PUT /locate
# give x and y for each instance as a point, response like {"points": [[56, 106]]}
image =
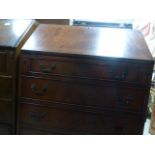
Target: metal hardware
{"points": [[41, 92], [119, 129], [125, 101], [45, 70], [121, 76], [37, 116]]}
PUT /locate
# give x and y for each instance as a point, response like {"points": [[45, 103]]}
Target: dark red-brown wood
{"points": [[78, 80], [101, 42], [13, 34]]}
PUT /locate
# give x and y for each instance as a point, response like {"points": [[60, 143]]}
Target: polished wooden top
{"points": [[11, 31], [102, 42]]}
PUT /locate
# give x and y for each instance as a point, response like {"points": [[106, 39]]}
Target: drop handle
{"points": [[125, 101], [37, 116], [47, 70], [119, 128], [39, 92], [122, 76]]}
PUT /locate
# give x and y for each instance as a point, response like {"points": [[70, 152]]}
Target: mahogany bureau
{"points": [[13, 34], [81, 80]]}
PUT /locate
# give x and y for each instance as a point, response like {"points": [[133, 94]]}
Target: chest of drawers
{"points": [[77, 80], [13, 33]]}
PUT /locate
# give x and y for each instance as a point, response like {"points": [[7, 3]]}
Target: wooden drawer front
{"points": [[46, 118], [5, 87], [5, 112], [5, 129], [127, 98], [6, 62], [25, 131], [33, 131], [73, 67]]}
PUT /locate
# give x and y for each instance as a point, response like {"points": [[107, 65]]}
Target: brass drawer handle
{"points": [[119, 129], [125, 101], [122, 76], [37, 92], [36, 116], [45, 70]]}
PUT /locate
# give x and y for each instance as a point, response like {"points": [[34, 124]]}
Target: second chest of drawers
{"points": [[13, 34]]}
